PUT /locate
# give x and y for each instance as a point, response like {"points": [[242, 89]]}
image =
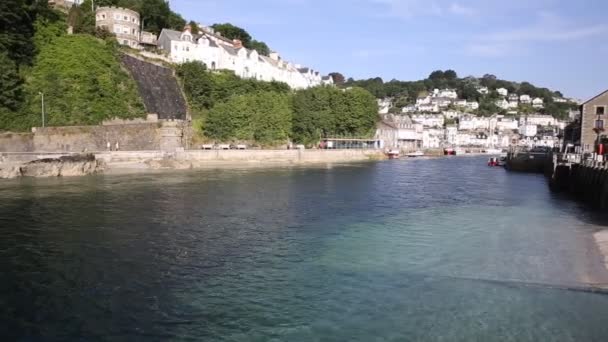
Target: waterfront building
{"points": [[593, 116], [472, 122], [432, 137], [429, 120], [451, 131], [528, 130], [399, 131], [538, 119], [506, 124]]}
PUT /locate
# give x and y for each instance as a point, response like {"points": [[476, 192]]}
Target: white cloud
{"points": [[548, 28], [457, 8]]}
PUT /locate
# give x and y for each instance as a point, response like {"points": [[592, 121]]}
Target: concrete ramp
{"points": [[158, 88]]}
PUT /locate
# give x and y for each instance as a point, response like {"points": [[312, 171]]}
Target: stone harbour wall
{"points": [[136, 137]]}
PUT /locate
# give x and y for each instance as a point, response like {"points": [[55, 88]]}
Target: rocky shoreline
{"points": [[64, 166]]}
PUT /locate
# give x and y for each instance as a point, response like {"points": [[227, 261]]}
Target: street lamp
{"points": [[42, 105]]}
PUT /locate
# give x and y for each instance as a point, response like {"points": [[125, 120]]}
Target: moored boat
{"points": [[393, 154], [415, 154]]}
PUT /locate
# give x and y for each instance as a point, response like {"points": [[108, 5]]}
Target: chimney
{"points": [[237, 43], [274, 55], [188, 28]]}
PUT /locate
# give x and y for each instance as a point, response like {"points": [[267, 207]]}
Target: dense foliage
{"points": [[205, 89], [82, 82], [406, 92], [231, 108], [262, 116], [234, 32]]}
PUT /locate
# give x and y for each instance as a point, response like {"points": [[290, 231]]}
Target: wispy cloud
{"points": [[411, 8], [548, 28]]}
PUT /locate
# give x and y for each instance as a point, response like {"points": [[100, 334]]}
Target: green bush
{"points": [[83, 84]]}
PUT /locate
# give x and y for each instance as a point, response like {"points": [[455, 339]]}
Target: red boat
{"points": [[494, 161]]}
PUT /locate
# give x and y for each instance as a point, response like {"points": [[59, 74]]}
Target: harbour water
{"points": [[435, 250]]}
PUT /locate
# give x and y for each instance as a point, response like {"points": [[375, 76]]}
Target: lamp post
{"points": [[42, 106]]}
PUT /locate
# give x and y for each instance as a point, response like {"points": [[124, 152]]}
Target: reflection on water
{"points": [[444, 249]]}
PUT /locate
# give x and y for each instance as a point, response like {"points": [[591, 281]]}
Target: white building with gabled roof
{"points": [[220, 53]]}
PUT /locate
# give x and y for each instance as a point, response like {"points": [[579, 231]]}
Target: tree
{"points": [[450, 75], [436, 75], [260, 47], [83, 84], [194, 27], [11, 85], [264, 117], [233, 32], [16, 36], [325, 111], [337, 77]]}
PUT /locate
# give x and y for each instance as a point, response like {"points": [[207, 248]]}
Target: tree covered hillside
{"points": [[406, 92], [79, 75], [229, 108]]}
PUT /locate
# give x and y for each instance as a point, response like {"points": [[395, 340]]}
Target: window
{"points": [[125, 42], [126, 18], [600, 110], [599, 124], [103, 16]]}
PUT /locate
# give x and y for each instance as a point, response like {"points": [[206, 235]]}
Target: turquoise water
{"points": [[432, 250]]}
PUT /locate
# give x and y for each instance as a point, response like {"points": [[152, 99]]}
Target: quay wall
{"points": [[586, 181], [138, 136]]}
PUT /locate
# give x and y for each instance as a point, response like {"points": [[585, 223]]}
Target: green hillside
{"points": [[406, 92]]}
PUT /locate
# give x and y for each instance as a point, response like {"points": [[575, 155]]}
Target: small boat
{"points": [[449, 152], [459, 152], [494, 161], [393, 154], [415, 154]]}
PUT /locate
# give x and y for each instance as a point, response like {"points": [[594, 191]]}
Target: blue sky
{"points": [[562, 45]]}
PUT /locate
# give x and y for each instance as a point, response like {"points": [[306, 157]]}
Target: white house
{"points": [[432, 137], [525, 99], [538, 119], [384, 105], [473, 105], [471, 122], [504, 124], [448, 93], [432, 108], [528, 130], [502, 91], [429, 120], [502, 103], [559, 100], [460, 103], [218, 52], [483, 90], [450, 135], [451, 114], [537, 102], [442, 102], [423, 100]]}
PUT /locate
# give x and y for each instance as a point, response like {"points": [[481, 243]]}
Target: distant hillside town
{"points": [[208, 47]]}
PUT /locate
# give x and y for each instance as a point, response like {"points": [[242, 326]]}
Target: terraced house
{"points": [[218, 52]]}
